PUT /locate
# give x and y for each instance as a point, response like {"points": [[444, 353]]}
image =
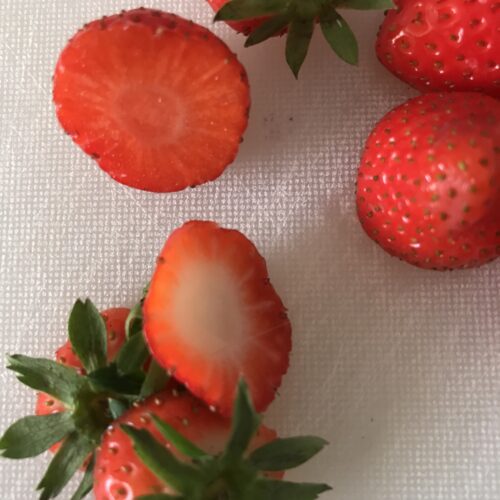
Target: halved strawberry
{"points": [[211, 316], [115, 327], [120, 474], [160, 102]]}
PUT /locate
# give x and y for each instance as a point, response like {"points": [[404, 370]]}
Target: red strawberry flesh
{"points": [[211, 316], [160, 102]]}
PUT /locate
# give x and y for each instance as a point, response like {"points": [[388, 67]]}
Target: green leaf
{"points": [[117, 408], [284, 454], [33, 435], [181, 443], [70, 457], [297, 43], [110, 380], [156, 380], [340, 36], [268, 489], [246, 421], [180, 476], [366, 4], [44, 375], [133, 324], [133, 354], [87, 333], [269, 28], [87, 482], [238, 10]]}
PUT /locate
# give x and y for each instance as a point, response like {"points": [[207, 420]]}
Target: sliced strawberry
{"points": [[119, 474], [115, 326], [212, 316], [160, 102]]}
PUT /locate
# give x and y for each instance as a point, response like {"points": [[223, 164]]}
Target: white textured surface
{"points": [[398, 368]]}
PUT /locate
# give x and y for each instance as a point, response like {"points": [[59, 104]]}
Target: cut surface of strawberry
{"points": [[119, 473], [159, 102], [429, 181], [211, 316]]}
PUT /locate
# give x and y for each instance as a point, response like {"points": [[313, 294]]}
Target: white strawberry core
{"points": [[209, 310]]}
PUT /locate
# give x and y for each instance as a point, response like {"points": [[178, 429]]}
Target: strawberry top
{"points": [[443, 45]]}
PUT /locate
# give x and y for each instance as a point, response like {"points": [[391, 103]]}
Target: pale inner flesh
{"points": [[208, 309]]}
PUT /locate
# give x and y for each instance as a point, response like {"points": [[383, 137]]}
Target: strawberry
{"points": [[172, 444], [429, 181], [443, 44], [160, 102], [65, 355], [212, 316], [246, 27], [96, 377], [263, 19]]}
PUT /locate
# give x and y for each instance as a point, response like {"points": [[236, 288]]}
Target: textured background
{"points": [[398, 368]]}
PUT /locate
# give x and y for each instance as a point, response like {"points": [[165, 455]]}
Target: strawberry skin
{"points": [[211, 316], [159, 102], [119, 474], [443, 44], [429, 181], [115, 326], [246, 27]]}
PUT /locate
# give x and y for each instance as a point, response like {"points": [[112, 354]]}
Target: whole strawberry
{"points": [[173, 446], [97, 375], [443, 44], [429, 181]]}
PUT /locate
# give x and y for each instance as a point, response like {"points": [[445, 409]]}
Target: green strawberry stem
{"points": [[298, 18], [234, 474], [92, 401]]}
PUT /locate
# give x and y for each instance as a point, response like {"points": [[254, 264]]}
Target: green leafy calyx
{"points": [[298, 18], [92, 401], [234, 474]]}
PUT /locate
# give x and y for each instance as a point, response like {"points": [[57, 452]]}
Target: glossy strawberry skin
{"points": [[245, 27], [429, 181], [437, 45], [158, 101], [119, 474], [115, 326]]}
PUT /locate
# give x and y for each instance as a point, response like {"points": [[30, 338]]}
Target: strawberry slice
{"points": [[211, 316], [160, 102]]}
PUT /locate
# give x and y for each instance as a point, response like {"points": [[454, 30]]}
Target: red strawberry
{"points": [[429, 181], [115, 326], [160, 102], [119, 474], [443, 44], [212, 316], [246, 27]]}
